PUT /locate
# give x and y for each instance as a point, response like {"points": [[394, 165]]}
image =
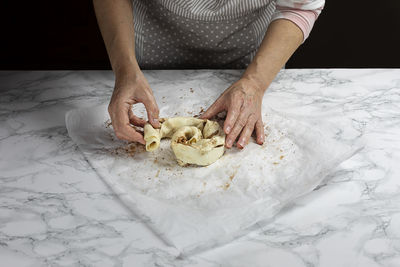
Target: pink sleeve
{"points": [[303, 14]]}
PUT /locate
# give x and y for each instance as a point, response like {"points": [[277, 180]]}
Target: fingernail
{"points": [[229, 143], [228, 129]]}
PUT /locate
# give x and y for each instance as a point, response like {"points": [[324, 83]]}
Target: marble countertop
{"points": [[55, 210]]}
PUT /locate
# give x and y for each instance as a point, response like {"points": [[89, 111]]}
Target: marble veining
{"points": [[55, 210]]}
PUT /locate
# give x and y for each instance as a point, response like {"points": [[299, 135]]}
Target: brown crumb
{"points": [[182, 140], [198, 115], [226, 186], [281, 157], [158, 173], [275, 163], [232, 175], [155, 160], [130, 150], [140, 148], [108, 123], [191, 90]]}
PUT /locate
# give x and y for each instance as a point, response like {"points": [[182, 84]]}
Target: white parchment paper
{"points": [[196, 208]]}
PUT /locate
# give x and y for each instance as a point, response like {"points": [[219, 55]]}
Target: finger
{"points": [[246, 132], [260, 135], [239, 124], [152, 111], [129, 134], [232, 116], [135, 120], [122, 128], [214, 109]]}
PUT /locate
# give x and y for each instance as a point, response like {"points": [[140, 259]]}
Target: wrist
{"points": [[261, 72], [126, 68], [127, 74], [256, 81], [251, 86]]}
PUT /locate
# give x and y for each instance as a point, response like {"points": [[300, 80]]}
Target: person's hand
{"points": [[127, 92], [242, 101]]}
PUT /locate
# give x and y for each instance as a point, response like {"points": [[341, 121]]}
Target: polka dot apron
{"points": [[187, 34]]}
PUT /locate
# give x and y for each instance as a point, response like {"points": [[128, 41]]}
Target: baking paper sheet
{"points": [[197, 208]]}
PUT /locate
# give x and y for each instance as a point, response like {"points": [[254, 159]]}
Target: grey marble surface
{"points": [[55, 210]]}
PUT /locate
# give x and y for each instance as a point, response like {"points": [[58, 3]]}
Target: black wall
{"points": [[61, 34]]}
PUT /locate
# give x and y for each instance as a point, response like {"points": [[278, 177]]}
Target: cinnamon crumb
{"points": [[232, 175], [108, 123], [130, 150], [182, 140], [127, 151], [226, 186]]}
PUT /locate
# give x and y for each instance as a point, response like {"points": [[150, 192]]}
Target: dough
{"points": [[193, 141]]}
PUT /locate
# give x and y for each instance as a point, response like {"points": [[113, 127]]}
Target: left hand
{"points": [[242, 101]]}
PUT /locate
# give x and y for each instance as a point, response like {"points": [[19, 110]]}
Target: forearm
{"points": [[281, 40], [115, 19]]}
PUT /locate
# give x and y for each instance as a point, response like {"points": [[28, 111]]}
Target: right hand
{"points": [[127, 92]]}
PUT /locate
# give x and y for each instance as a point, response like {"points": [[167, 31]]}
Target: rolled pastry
{"points": [[193, 141], [152, 137]]}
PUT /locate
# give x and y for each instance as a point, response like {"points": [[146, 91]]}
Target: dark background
{"points": [[61, 34]]}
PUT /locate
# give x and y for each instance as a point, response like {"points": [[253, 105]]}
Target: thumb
{"points": [[213, 110]]}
